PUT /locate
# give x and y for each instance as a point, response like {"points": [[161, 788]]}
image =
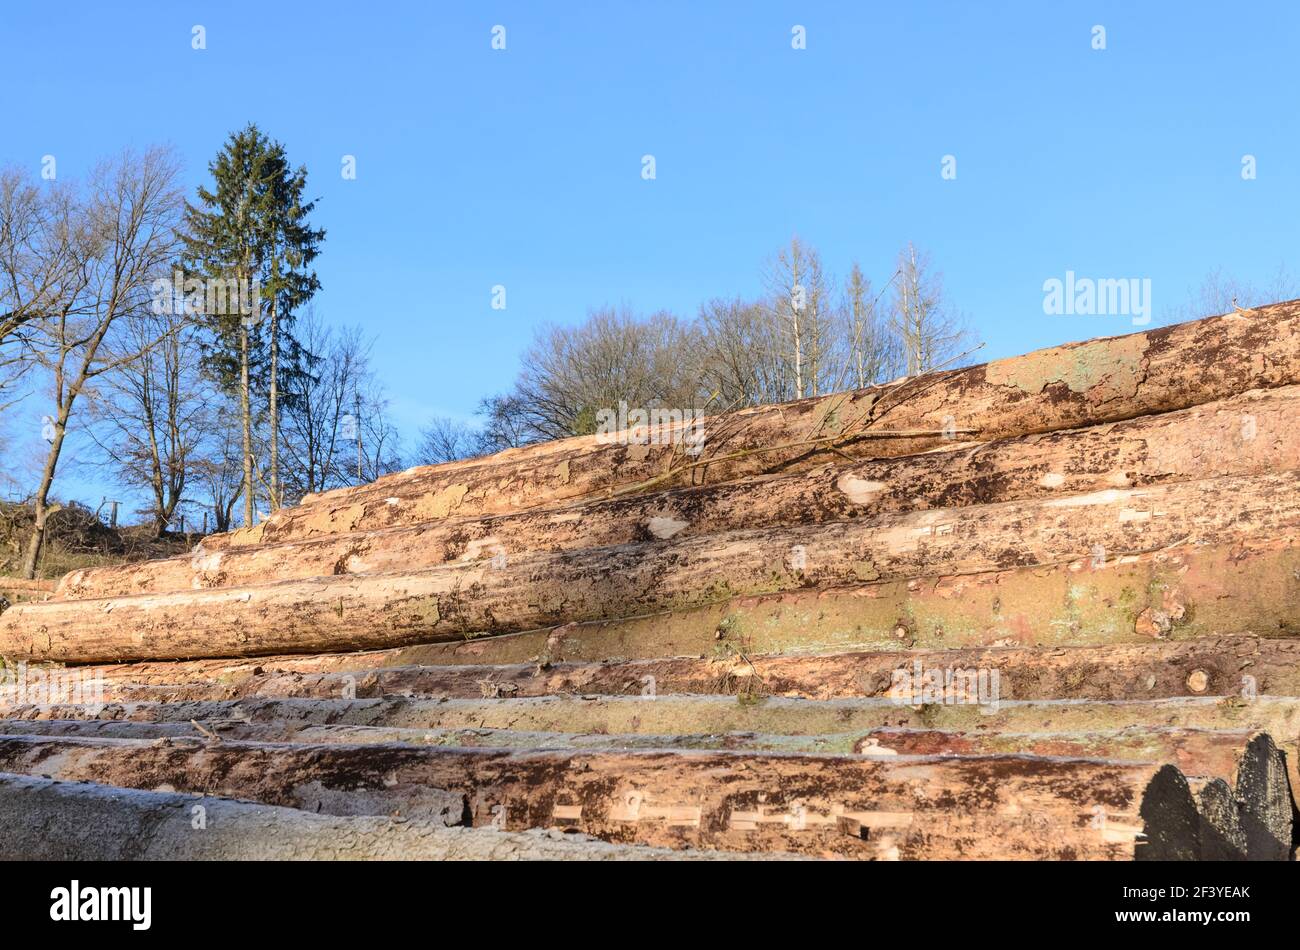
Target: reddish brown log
{"points": [[368, 611], [1062, 387], [83, 821], [1195, 751], [1217, 666], [900, 807], [1249, 434]]}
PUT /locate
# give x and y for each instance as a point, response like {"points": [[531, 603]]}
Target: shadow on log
{"points": [[1253, 821]]}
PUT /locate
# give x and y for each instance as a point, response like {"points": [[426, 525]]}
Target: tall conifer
{"points": [[251, 226]]}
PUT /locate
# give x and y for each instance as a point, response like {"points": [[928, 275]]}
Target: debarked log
{"points": [[1248, 434], [1186, 592], [1078, 384], [1213, 752], [1025, 807], [1234, 667], [48, 820], [384, 610], [642, 715]]}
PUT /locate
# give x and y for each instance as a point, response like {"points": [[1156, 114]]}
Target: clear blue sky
{"points": [[522, 167]]}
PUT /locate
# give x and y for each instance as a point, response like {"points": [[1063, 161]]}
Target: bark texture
{"points": [[1242, 588], [1200, 752], [901, 807], [1240, 667], [1250, 434], [368, 611], [628, 715], [47, 820], [1097, 381], [1044, 608]]}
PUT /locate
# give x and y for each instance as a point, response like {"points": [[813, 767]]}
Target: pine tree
{"points": [[251, 226], [291, 283]]}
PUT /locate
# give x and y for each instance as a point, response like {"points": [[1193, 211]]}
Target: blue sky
{"points": [[522, 167]]}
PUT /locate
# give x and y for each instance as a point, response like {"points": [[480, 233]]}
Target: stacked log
{"points": [[1064, 387], [49, 820], [1203, 442], [972, 806], [366, 611], [1044, 608]]}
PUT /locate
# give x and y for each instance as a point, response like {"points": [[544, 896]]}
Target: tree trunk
{"points": [[937, 807], [1075, 385], [669, 714], [368, 611], [41, 508], [162, 512], [246, 420], [1230, 666], [1196, 751], [58, 821], [1189, 444], [275, 387]]}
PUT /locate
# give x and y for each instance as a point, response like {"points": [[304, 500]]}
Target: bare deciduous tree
{"points": [[799, 298], [219, 465], [151, 411], [928, 330], [504, 424], [738, 341], [1221, 293], [122, 233], [39, 247], [873, 351], [569, 374], [379, 442], [337, 428], [317, 429], [447, 440]]}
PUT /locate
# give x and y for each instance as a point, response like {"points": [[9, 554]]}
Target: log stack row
{"points": [[1040, 608]]}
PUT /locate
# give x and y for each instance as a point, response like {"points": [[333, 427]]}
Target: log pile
{"points": [[1040, 608]]}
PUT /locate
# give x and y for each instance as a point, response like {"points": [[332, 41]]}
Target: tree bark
{"points": [[246, 421], [59, 821], [1195, 751], [1079, 384], [1232, 667], [670, 715], [1250, 434], [1240, 588], [368, 611], [41, 508], [935, 807]]}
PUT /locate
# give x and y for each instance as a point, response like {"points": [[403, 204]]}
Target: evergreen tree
{"points": [[290, 284], [251, 227]]}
